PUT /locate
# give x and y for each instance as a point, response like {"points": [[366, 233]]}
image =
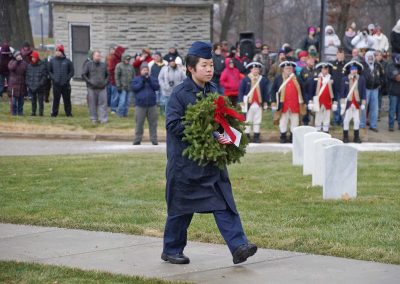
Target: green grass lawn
{"points": [[279, 208], [20, 272]]}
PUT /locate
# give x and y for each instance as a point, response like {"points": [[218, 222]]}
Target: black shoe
{"points": [[345, 136], [248, 136], [154, 143], [256, 138], [136, 143], [357, 136], [243, 252], [53, 115], [290, 139], [391, 129], [41, 114], [69, 115], [283, 139], [175, 259], [373, 129], [33, 114]]}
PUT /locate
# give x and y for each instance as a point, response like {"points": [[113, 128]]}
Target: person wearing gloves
{"points": [[374, 78], [36, 79], [323, 96], [353, 98], [16, 84], [332, 43], [363, 40], [287, 94], [253, 97], [144, 86]]}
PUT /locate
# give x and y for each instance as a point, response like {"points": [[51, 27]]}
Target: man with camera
{"points": [[169, 77]]}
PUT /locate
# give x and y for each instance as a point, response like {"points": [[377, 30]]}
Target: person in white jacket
{"points": [[381, 41], [332, 43], [363, 40]]}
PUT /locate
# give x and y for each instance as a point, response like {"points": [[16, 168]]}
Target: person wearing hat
{"points": [[124, 73], [145, 86], [337, 75], [311, 39], [275, 70], [112, 90], [253, 97], [331, 42], [230, 81], [36, 80], [219, 66], [381, 42], [170, 76], [323, 96], [191, 188], [17, 83], [307, 75], [61, 71], [287, 99], [5, 58], [145, 56], [353, 98], [26, 52], [363, 40]]}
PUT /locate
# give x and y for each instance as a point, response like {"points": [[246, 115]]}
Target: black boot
{"points": [[357, 136], [290, 140], [283, 138], [345, 136], [256, 138]]}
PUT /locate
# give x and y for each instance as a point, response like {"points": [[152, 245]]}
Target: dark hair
{"points": [[340, 50], [191, 61], [216, 45]]}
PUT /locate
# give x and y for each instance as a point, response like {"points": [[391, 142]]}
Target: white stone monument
{"points": [[340, 172], [309, 150], [298, 143], [318, 174]]}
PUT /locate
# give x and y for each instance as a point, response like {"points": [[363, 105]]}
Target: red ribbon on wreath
{"points": [[221, 111]]}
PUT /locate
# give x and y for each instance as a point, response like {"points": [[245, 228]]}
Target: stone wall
{"points": [[132, 26]]}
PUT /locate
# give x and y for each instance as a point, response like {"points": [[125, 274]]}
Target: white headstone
{"points": [[340, 172], [318, 174], [298, 143], [309, 150]]}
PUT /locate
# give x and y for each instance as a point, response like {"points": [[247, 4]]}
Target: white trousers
{"points": [[351, 113], [284, 120], [253, 118], [322, 119]]}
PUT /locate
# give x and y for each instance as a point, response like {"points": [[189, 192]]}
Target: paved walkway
{"points": [[210, 263], [33, 147]]}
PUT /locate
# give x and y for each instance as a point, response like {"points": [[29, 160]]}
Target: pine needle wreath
{"points": [[199, 127]]}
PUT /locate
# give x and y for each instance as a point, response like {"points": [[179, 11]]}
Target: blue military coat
{"points": [[362, 91], [191, 188]]}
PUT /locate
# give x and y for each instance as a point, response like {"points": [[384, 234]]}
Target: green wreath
{"points": [[199, 128]]}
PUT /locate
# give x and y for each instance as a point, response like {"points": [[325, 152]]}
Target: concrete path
{"points": [[33, 147], [210, 263]]}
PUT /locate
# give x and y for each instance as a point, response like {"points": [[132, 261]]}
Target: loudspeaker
{"points": [[246, 42]]}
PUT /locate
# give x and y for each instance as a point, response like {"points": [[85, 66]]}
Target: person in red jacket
{"points": [[230, 81], [114, 60], [144, 57]]}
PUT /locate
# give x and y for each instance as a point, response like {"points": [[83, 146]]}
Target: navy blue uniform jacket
{"points": [[245, 87], [362, 91], [191, 188]]}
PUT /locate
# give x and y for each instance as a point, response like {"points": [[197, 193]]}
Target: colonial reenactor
{"points": [[192, 188], [353, 98], [287, 93], [323, 97], [253, 97]]}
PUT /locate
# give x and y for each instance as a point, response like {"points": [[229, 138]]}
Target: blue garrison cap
{"points": [[201, 49]]}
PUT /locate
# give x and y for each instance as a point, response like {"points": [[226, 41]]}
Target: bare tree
{"points": [[226, 20], [252, 17], [15, 25]]}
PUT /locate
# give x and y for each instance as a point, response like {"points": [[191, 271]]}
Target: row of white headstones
{"points": [[332, 164]]}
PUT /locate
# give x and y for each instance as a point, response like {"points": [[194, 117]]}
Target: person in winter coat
{"points": [[170, 76], [381, 41], [96, 77], [332, 43], [311, 39], [144, 86], [347, 38], [353, 98], [61, 71], [394, 91], [16, 85], [191, 188], [112, 88], [155, 67], [219, 66], [5, 58], [172, 51], [230, 81], [307, 75], [337, 75], [26, 52], [264, 59], [395, 39], [253, 97], [145, 56], [36, 80], [363, 40], [374, 78], [124, 73]]}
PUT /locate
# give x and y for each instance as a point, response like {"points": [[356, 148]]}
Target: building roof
{"points": [[136, 2]]}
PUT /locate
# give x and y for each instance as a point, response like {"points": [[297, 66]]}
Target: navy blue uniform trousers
{"points": [[229, 224]]}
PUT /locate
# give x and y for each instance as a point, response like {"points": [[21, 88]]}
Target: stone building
{"points": [[97, 24]]}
